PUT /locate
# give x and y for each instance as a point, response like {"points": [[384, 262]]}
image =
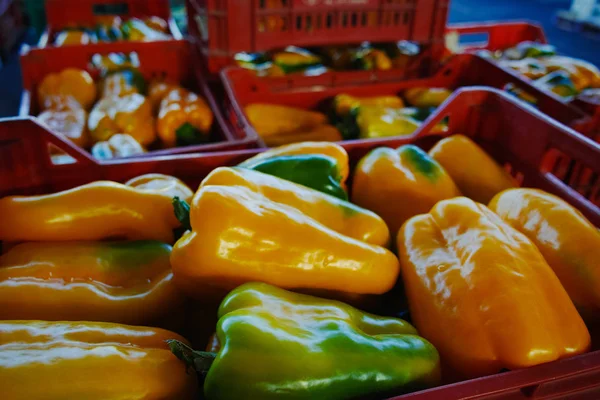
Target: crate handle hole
{"points": [[474, 39], [110, 9]]}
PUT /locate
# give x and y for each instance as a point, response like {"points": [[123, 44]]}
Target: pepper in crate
{"points": [[308, 348]]}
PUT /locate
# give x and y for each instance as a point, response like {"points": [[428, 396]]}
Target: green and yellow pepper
{"points": [[482, 294], [95, 211], [69, 82], [475, 173], [127, 282], [528, 67], [294, 59], [130, 114], [137, 30], [90, 360], [377, 121], [339, 215], [117, 146], [238, 235], [371, 59], [184, 118], [332, 150], [567, 240], [315, 171], [308, 348], [557, 82], [399, 184]]}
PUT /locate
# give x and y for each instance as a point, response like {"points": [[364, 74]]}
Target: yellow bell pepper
{"points": [[482, 293], [183, 118], [69, 82], [476, 174], [137, 30], [339, 215], [344, 103], [426, 97], [117, 146], [94, 211], [271, 120], [157, 24], [131, 114], [90, 360], [69, 123], [157, 90], [127, 282], [122, 83], [399, 184], [567, 240], [71, 37], [238, 236], [332, 150], [376, 122]]}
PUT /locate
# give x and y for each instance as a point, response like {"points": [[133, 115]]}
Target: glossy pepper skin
{"points": [[295, 59], [90, 360], [271, 120], [399, 184], [69, 82], [130, 114], [483, 294], [326, 149], [122, 83], [315, 171], [310, 348], [476, 174], [94, 211], [377, 121], [339, 215], [117, 146], [69, 123], [344, 103], [137, 30], [127, 282], [157, 90], [239, 236], [166, 185], [72, 37], [427, 97], [567, 240], [183, 118]]}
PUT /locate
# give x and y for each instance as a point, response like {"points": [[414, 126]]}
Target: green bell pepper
{"points": [[276, 344], [315, 171]]}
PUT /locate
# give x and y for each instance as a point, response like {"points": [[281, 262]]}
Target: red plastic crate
{"points": [[226, 27], [524, 140], [503, 35], [64, 13], [243, 88], [175, 59]]}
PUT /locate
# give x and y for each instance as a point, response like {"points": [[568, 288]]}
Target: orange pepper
{"points": [[567, 240], [69, 82], [398, 184], [90, 360], [482, 294], [476, 174]]}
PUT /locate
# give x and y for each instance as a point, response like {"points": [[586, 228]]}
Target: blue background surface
{"points": [[540, 11]]}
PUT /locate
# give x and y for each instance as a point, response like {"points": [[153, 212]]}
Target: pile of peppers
{"points": [[316, 61], [113, 29], [566, 77], [286, 251], [122, 114], [349, 117]]}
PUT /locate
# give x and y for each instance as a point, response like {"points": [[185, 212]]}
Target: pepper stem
{"points": [[200, 361], [182, 213]]}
